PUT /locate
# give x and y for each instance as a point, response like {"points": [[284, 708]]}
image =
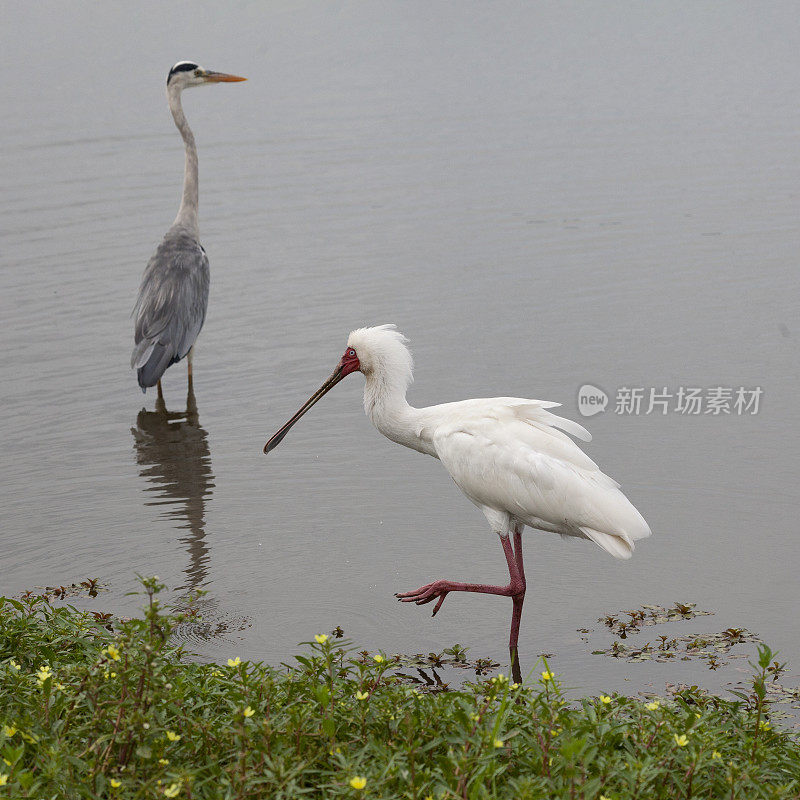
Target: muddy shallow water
{"points": [[540, 196]]}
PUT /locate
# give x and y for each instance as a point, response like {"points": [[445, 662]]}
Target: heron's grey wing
{"points": [[171, 307]]}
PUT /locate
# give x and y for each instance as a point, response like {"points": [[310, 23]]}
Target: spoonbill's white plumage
{"points": [[510, 456]]}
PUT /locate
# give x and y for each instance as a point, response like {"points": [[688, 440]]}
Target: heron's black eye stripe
{"points": [[186, 67]]}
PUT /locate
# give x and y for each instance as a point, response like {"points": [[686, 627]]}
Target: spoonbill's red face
{"points": [[348, 363]]}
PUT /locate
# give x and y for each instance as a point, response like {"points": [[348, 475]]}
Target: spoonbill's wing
{"points": [[511, 456]]}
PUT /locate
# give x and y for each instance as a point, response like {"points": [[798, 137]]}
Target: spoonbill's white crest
{"points": [[510, 456]]}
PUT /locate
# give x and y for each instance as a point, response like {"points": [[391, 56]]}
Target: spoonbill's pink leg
{"points": [[518, 600], [515, 589]]}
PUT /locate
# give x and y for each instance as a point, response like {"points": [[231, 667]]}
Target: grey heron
{"points": [[173, 295]]}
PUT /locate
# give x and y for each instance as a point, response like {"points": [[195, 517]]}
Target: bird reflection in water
{"points": [[174, 458]]}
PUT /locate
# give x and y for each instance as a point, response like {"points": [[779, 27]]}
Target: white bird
{"points": [[510, 456]]}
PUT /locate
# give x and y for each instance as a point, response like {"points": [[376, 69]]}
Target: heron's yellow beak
{"points": [[222, 77]]}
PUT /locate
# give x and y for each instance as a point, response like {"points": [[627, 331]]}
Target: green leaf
{"points": [[323, 694]]}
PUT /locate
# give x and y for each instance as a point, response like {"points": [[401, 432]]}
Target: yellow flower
{"points": [[358, 782], [163, 761], [114, 783], [515, 685], [362, 695], [234, 662], [172, 790], [716, 755], [475, 717], [547, 676], [605, 699], [248, 712], [681, 740], [764, 726], [7, 762], [3, 779], [501, 678], [321, 638], [13, 664], [378, 658], [172, 736], [498, 742], [112, 652], [9, 730], [654, 706], [43, 674]]}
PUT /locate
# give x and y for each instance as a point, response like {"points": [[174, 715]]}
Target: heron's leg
{"points": [[191, 406], [189, 357], [440, 589], [161, 406]]}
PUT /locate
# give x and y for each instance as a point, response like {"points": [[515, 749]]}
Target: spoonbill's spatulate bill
{"points": [[173, 296], [510, 456]]}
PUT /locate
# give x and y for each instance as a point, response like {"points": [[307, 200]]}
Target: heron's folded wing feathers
{"points": [[172, 300]]}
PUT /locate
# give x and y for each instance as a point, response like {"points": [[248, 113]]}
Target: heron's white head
{"points": [[186, 74], [382, 354]]}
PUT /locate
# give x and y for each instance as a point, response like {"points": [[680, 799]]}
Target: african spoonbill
{"points": [[510, 456]]}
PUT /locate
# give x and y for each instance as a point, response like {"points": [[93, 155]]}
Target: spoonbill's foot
{"points": [[426, 594], [440, 589]]}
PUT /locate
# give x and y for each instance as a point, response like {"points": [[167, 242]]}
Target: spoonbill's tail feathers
{"points": [[619, 546], [630, 526]]}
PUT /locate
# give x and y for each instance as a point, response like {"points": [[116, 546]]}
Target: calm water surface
{"points": [[539, 195]]}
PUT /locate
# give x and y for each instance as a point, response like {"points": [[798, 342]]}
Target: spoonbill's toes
{"points": [[427, 594]]}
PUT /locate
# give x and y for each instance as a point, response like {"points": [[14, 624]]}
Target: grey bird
{"points": [[173, 295]]}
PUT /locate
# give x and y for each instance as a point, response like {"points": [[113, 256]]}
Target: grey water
{"points": [[540, 196]]}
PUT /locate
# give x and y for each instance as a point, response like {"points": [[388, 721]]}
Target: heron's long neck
{"points": [[386, 405], [187, 213]]}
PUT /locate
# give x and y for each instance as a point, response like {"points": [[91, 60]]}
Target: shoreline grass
{"points": [[95, 708]]}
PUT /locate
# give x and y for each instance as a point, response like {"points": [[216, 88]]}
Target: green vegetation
{"points": [[95, 708]]}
